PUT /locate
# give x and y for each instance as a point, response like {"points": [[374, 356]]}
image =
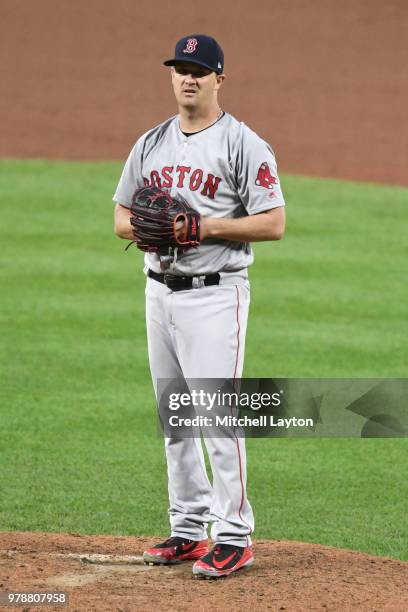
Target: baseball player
{"points": [[197, 300]]}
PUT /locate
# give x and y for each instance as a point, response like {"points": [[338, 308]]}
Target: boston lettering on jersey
{"points": [[194, 180]]}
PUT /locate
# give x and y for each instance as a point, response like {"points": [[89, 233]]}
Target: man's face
{"points": [[194, 86]]}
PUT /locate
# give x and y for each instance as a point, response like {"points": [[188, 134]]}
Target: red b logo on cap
{"points": [[265, 178], [191, 45]]}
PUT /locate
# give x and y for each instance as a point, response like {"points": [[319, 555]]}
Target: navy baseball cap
{"points": [[199, 49]]}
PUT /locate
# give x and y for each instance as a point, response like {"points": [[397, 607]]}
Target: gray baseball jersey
{"points": [[225, 171]]}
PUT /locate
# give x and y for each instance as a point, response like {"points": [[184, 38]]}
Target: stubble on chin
{"points": [[188, 105]]}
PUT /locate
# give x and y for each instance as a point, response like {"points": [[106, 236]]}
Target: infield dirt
{"points": [[324, 82], [289, 576]]}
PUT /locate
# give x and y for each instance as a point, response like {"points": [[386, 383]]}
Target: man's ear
{"points": [[220, 79]]}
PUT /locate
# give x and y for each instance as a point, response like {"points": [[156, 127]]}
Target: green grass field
{"points": [[79, 448]]}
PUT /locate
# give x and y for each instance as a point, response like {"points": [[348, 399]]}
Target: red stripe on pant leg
{"points": [[242, 492], [238, 333], [237, 440]]}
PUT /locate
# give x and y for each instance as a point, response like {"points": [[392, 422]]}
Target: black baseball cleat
{"points": [[222, 560], [175, 550]]}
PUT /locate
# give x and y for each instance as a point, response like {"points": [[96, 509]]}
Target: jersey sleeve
{"points": [[132, 177], [256, 174]]}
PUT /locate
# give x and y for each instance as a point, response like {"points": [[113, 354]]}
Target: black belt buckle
{"points": [[177, 283]]}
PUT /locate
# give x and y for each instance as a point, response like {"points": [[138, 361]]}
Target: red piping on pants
{"points": [[237, 440]]}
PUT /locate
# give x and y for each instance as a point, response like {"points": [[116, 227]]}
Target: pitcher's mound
{"points": [[107, 573]]}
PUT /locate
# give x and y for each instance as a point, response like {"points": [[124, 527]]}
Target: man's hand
{"points": [[123, 227]]}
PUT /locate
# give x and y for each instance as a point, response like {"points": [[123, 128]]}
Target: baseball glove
{"points": [[161, 222]]}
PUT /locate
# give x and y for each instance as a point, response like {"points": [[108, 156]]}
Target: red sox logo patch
{"points": [[264, 178], [191, 45]]}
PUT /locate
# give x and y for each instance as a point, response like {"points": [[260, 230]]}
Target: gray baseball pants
{"points": [[200, 333]]}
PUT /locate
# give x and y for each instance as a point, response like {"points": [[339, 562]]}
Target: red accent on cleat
{"points": [[175, 550], [222, 560]]}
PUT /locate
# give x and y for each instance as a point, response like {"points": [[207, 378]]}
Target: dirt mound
{"points": [[107, 573]]}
